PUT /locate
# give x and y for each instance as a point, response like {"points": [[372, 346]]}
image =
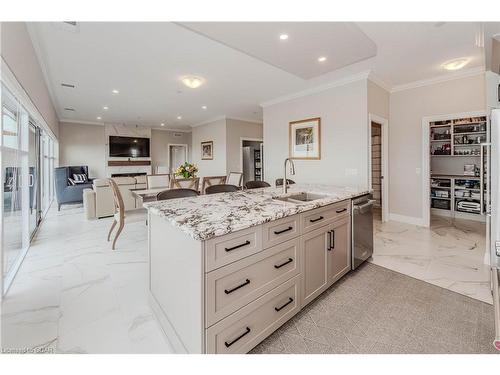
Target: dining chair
{"points": [[119, 216], [176, 193], [185, 183], [224, 188], [256, 184], [279, 181], [234, 178], [211, 180], [158, 180], [161, 169]]}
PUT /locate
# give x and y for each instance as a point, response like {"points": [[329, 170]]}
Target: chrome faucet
{"points": [[292, 172]]}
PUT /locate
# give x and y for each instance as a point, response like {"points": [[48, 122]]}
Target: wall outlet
{"points": [[351, 172], [418, 171]]}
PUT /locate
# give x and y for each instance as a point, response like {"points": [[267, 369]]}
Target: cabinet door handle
{"points": [[283, 230], [342, 210], [237, 287], [329, 241], [315, 220], [290, 300], [290, 260], [228, 344], [237, 246], [333, 240]]}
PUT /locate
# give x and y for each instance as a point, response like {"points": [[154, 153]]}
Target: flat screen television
{"points": [[130, 147]]}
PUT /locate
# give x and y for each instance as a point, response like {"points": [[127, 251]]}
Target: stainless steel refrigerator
{"points": [[248, 164]]}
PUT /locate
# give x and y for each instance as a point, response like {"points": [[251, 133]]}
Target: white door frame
{"points": [[168, 152], [241, 154], [385, 161], [426, 159]]}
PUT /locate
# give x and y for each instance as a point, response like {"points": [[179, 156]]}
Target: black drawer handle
{"points": [[283, 231], [237, 246], [315, 220], [290, 300], [290, 260], [329, 247], [237, 287], [228, 344], [333, 240], [342, 210]]}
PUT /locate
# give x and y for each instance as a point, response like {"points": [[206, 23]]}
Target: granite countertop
{"points": [[215, 215]]}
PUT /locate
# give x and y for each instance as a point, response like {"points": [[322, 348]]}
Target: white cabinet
{"points": [[326, 257]]}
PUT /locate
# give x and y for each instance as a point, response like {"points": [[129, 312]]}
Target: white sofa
{"points": [[104, 204]]}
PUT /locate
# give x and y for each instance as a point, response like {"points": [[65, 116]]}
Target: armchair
{"points": [[67, 193]]}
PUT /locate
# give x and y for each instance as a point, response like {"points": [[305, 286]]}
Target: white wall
{"points": [[18, 53], [160, 139], [378, 100], [214, 131], [407, 108], [237, 129], [82, 144], [344, 136]]}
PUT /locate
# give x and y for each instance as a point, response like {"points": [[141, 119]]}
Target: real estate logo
{"points": [[496, 344]]}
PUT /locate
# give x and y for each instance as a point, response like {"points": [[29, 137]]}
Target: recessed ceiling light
{"points": [[455, 64], [179, 117], [162, 124], [115, 91], [192, 82], [284, 36], [105, 108], [321, 58], [99, 117], [203, 107]]}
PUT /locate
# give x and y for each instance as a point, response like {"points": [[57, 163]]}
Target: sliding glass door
{"points": [[14, 146], [33, 178]]}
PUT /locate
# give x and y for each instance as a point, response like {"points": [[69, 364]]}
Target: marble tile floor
{"points": [[374, 310], [449, 254], [74, 295]]}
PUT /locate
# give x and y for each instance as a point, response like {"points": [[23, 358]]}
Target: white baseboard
{"points": [[406, 219]]}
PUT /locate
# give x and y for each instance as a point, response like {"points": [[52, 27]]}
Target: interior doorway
{"points": [[177, 155], [378, 169], [252, 159]]}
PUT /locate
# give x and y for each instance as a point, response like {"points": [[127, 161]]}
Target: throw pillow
{"points": [[71, 181], [80, 178]]}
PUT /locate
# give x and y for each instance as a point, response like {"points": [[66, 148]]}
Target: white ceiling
{"points": [[145, 61], [342, 43]]}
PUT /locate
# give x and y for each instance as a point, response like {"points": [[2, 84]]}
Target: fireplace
{"points": [[128, 174]]}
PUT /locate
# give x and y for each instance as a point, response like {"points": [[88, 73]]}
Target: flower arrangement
{"points": [[186, 170]]}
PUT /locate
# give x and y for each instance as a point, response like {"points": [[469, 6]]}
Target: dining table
{"points": [[147, 195]]}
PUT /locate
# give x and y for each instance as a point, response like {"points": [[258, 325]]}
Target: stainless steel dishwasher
{"points": [[362, 229]]}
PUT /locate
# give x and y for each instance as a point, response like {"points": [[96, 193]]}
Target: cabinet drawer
{"points": [[277, 231], [316, 218], [235, 285], [240, 332], [226, 249]]}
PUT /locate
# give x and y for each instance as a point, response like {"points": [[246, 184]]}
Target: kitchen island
{"points": [[226, 270]]}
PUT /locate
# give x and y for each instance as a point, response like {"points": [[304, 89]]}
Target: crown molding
{"points": [[315, 90], [37, 46], [218, 118], [173, 130], [379, 82], [83, 122], [245, 120], [443, 78]]}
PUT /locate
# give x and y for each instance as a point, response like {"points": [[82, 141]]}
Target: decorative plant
{"points": [[186, 170]]}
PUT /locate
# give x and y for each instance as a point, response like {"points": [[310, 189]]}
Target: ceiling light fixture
{"points": [[284, 36], [162, 124], [455, 64], [115, 91], [203, 107], [99, 117], [321, 58], [105, 108], [192, 82], [179, 117]]}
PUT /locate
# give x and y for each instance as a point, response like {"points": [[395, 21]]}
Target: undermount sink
{"points": [[301, 197]]}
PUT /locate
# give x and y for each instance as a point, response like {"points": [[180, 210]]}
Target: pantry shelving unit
{"points": [[457, 173]]}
